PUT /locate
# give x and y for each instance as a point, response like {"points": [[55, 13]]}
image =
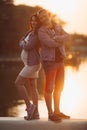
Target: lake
{"points": [[73, 98]]}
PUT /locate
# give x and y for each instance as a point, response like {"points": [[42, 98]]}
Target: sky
{"points": [[73, 12]]}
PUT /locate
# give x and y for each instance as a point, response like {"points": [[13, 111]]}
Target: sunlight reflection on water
{"points": [[74, 95], [19, 110]]}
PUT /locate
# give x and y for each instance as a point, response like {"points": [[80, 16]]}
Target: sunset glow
{"points": [[68, 7], [73, 12], [73, 98]]}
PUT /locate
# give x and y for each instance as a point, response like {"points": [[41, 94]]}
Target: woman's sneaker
{"points": [[35, 116], [30, 112], [54, 117]]}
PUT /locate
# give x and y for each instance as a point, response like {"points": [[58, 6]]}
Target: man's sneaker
{"points": [[54, 117], [30, 112], [63, 116]]}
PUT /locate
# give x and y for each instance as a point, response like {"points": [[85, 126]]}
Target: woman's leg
{"points": [[59, 84], [22, 90], [30, 108], [33, 91], [50, 78]]}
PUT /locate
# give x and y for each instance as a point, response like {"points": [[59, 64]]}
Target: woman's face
{"points": [[44, 17], [34, 22]]}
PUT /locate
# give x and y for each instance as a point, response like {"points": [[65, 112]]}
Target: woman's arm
{"points": [[46, 39], [62, 34], [29, 44]]}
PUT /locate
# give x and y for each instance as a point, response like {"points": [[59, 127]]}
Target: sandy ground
{"points": [[18, 123]]}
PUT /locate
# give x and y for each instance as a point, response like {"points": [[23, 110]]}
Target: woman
{"points": [[31, 58], [52, 37]]}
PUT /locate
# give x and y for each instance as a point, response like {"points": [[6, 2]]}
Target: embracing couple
{"points": [[43, 45]]}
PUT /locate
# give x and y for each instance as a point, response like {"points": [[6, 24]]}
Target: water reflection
{"points": [[19, 110], [74, 95], [73, 100]]}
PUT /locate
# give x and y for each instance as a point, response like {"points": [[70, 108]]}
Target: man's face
{"points": [[44, 17]]}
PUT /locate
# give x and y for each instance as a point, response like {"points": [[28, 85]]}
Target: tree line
{"points": [[14, 23]]}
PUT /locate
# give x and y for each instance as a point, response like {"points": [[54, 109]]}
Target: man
{"points": [[51, 37]]}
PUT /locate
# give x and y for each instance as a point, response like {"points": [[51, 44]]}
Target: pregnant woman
{"points": [[31, 59]]}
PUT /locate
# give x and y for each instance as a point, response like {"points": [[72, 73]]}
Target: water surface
{"points": [[73, 98]]}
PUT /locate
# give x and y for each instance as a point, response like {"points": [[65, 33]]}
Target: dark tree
{"points": [[6, 2]]}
